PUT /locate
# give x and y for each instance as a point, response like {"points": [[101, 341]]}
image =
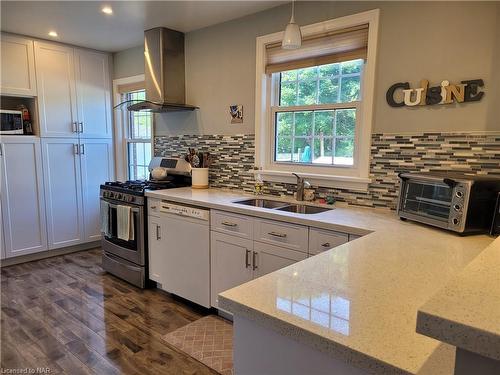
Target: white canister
{"points": [[199, 178]]}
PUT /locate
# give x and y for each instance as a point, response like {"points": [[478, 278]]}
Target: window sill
{"points": [[332, 181]]}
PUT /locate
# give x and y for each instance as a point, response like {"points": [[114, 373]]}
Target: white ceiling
{"points": [[82, 23]]}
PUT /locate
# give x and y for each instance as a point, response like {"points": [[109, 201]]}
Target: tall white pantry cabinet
{"points": [[50, 182]]}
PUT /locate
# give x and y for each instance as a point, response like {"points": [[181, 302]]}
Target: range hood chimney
{"points": [[164, 72]]}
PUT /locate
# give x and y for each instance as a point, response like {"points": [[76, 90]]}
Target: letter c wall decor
{"points": [[445, 93]]}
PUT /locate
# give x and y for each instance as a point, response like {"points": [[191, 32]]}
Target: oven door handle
{"points": [[134, 209]]}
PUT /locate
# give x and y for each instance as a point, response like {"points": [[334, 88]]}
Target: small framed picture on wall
{"points": [[236, 112]]}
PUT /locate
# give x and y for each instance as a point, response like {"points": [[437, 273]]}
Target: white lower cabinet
{"points": [[321, 240], [63, 187], [96, 156], [157, 249], [236, 258], [22, 197], [2, 243], [73, 171], [230, 261], [269, 258]]}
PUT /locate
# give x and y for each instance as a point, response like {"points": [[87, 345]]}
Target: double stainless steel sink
{"points": [[283, 206]]}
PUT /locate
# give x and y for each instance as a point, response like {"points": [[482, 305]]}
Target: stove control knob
{"points": [[131, 199], [119, 196]]}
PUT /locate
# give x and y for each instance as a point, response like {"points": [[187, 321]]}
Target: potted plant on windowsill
{"points": [[200, 163]]}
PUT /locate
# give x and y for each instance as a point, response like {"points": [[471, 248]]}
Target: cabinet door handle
{"points": [[229, 224], [1, 150], [82, 149], [326, 244], [81, 126], [158, 233], [75, 127], [75, 149], [247, 258], [254, 261], [276, 234]]}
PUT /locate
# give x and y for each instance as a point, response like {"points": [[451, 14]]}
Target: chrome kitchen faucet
{"points": [[301, 185]]}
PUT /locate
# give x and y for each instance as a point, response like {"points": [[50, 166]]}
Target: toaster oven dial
{"points": [[456, 221], [459, 194], [457, 207]]}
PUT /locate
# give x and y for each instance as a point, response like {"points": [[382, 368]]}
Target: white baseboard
{"points": [[49, 253]]}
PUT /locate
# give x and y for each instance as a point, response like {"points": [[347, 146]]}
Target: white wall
{"points": [[436, 41], [129, 62]]}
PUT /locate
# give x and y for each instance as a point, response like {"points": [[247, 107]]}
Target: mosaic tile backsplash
{"points": [[390, 155]]}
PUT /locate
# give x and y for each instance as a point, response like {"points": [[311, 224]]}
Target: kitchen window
{"points": [[139, 138], [314, 104], [314, 117]]}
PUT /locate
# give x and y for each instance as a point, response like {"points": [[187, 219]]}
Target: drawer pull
{"points": [[276, 234], [247, 258], [158, 233], [326, 244], [229, 224], [254, 260]]}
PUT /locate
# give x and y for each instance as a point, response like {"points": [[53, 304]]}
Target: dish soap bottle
{"points": [[259, 184]]}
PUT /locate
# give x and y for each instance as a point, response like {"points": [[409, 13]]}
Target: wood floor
{"points": [[66, 314]]}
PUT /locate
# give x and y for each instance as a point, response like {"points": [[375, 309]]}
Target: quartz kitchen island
{"points": [[466, 314], [355, 305]]}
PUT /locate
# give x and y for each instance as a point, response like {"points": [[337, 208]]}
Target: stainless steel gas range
{"points": [[126, 257]]}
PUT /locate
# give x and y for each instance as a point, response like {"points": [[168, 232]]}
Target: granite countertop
{"points": [[359, 301], [466, 312]]}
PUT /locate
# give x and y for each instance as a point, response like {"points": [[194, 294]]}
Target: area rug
{"points": [[209, 340]]}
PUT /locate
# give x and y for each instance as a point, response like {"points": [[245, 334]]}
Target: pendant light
{"points": [[292, 39]]}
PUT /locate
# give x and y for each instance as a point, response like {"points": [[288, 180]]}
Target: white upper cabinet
{"points": [[96, 157], [22, 198], [56, 90], [63, 191], [17, 66], [93, 94]]}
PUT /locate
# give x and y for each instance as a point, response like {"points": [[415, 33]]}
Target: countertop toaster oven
{"points": [[459, 202]]}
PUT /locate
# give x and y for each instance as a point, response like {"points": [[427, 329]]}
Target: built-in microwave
{"points": [[11, 122], [460, 202]]}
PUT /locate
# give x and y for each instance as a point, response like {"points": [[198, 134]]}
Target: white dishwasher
{"points": [[186, 261]]}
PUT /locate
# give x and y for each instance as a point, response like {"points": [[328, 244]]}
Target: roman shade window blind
{"points": [[319, 49], [129, 87]]}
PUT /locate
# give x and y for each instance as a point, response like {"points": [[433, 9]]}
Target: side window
{"points": [[139, 138]]}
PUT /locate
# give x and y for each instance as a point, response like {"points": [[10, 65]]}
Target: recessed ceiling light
{"points": [[53, 34], [107, 10]]}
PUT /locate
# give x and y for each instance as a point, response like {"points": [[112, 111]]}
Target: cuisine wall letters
{"points": [[401, 94]]}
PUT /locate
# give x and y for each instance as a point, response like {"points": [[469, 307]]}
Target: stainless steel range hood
{"points": [[164, 72]]}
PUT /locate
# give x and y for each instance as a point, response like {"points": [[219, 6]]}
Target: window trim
{"points": [[356, 178], [122, 127]]}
